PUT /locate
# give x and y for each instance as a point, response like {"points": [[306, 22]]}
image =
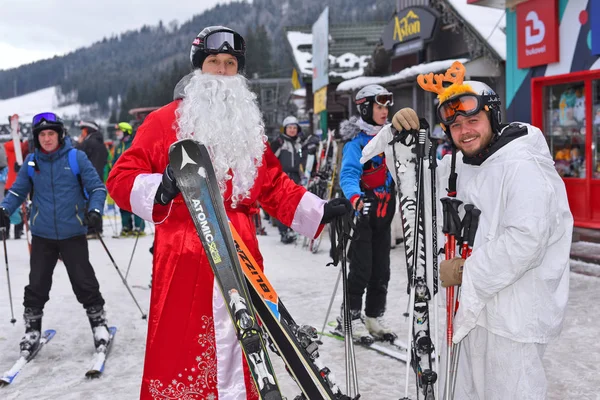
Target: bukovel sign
{"points": [[412, 23]]}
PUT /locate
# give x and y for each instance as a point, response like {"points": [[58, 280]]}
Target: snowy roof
{"points": [[405, 74], [489, 23], [350, 48]]}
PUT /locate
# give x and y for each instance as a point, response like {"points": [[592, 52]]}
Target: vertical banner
{"points": [[320, 51], [595, 26]]}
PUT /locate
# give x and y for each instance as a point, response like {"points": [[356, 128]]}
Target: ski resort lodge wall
{"points": [[553, 81], [427, 38]]}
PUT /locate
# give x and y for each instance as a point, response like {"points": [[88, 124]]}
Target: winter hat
{"points": [[90, 125], [125, 127]]}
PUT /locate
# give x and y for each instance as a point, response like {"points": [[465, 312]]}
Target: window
{"points": [[564, 126], [596, 129]]}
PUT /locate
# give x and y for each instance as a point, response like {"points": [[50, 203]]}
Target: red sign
{"points": [[537, 33]]}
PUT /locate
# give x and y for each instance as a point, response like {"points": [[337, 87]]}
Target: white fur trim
{"points": [[308, 215], [142, 195]]}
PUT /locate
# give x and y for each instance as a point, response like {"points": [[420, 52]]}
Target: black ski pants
{"points": [[369, 258], [75, 255]]}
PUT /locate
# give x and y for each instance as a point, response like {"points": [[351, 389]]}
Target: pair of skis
{"points": [[232, 264], [96, 370]]}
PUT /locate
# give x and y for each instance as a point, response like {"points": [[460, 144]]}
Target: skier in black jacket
{"points": [[91, 142], [288, 149]]}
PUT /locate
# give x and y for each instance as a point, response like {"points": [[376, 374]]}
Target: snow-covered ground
{"points": [[304, 283], [43, 100]]}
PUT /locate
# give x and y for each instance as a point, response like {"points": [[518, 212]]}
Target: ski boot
{"points": [[125, 232], [360, 334], [138, 232], [99, 325], [33, 331], [288, 237], [379, 329]]}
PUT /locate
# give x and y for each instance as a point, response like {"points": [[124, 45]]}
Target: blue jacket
{"points": [[352, 170], [59, 207]]}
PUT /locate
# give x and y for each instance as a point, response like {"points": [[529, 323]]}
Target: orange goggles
{"points": [[466, 105]]}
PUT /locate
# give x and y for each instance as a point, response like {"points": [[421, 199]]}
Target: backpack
{"points": [[73, 164]]}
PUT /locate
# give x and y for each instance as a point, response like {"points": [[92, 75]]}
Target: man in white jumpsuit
{"points": [[515, 285]]}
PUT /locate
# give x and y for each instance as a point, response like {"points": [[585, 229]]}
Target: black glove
{"points": [[17, 167], [4, 218], [93, 219], [167, 190], [335, 208]]}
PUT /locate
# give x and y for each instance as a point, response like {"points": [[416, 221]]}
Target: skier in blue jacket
{"points": [[60, 215], [372, 193]]}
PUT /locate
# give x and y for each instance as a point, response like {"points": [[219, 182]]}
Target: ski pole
{"points": [[352, 390], [335, 288], [144, 316], [470, 224], [434, 249], [131, 258], [451, 229], [3, 232]]}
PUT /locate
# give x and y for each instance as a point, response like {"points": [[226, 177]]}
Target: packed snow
{"points": [[43, 100], [305, 284]]}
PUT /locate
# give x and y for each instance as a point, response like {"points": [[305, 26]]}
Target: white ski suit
{"points": [[515, 285]]}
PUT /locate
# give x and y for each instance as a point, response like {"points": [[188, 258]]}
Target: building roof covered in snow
{"points": [[350, 48]]}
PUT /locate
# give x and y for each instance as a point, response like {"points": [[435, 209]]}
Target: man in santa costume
{"points": [[192, 351]]}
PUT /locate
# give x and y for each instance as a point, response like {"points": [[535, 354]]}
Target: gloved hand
{"points": [[406, 119], [335, 208], [93, 219], [17, 167], [451, 271], [167, 190], [363, 205], [4, 218]]}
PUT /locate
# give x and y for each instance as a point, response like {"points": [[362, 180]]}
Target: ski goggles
{"points": [[465, 105], [384, 99], [48, 117], [221, 41]]}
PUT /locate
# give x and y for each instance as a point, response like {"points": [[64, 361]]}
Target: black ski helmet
{"points": [[215, 40], [368, 96], [45, 121]]}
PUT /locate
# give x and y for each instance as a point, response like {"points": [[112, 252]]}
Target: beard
{"points": [[221, 113]]}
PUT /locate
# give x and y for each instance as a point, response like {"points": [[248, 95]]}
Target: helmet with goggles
{"points": [[464, 98], [44, 121], [370, 95], [216, 40]]}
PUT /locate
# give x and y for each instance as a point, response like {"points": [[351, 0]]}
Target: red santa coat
{"points": [[192, 351]]}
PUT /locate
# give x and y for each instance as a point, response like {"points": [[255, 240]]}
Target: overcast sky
{"points": [[32, 30]]}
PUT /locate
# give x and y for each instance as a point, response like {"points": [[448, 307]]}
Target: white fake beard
{"points": [[221, 113]]}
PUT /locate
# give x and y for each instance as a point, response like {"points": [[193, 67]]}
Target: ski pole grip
{"points": [[455, 223], [446, 214], [466, 222], [474, 225]]}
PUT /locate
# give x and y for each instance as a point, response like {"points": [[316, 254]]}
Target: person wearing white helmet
{"points": [[287, 147], [192, 350], [515, 284], [371, 191]]}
